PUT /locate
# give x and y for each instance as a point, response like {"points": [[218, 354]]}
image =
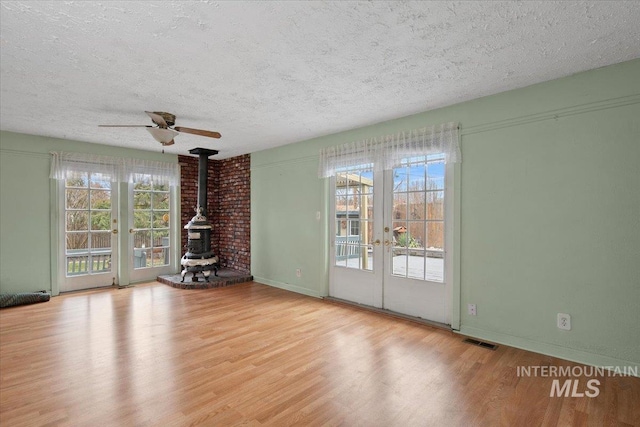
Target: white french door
{"points": [[151, 219], [416, 279], [99, 198], [89, 225], [92, 234], [356, 273], [392, 238]]}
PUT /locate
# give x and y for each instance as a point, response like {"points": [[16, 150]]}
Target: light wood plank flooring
{"points": [[254, 355]]}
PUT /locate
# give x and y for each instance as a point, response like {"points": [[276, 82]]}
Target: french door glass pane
{"points": [[77, 220], [416, 177], [101, 220], [87, 223], [76, 241], [101, 199], [142, 239], [141, 219], [416, 234], [76, 198], [100, 180], [151, 202], [418, 219], [160, 219], [101, 240], [435, 205], [161, 201], [399, 205], [435, 174], [354, 219]]}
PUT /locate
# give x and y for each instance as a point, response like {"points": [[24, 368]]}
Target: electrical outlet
{"points": [[471, 309], [564, 321], [298, 272]]}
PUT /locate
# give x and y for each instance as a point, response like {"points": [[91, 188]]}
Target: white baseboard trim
{"points": [[287, 287], [572, 355]]}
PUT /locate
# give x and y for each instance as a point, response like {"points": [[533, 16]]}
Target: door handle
{"points": [[131, 231], [114, 231], [387, 242], [377, 242]]}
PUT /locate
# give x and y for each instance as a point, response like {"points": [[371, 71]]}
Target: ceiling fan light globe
{"points": [[163, 136]]}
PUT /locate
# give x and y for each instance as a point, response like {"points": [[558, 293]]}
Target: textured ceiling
{"points": [[270, 73]]}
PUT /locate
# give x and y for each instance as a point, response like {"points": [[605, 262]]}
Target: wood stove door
{"points": [[88, 224]]}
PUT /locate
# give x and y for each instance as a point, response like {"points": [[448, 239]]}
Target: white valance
{"points": [[387, 152], [160, 172], [66, 165], [119, 169]]}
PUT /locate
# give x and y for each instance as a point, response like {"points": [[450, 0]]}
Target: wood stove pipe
{"points": [[203, 172]]}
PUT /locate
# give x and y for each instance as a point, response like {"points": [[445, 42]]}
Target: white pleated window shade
{"points": [[67, 165], [387, 152]]}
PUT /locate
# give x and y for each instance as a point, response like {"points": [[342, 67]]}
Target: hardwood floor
{"points": [[254, 355]]}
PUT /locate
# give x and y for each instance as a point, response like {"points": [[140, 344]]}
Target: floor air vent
{"points": [[480, 343]]}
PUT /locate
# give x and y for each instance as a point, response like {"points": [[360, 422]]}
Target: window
{"points": [[354, 228]]}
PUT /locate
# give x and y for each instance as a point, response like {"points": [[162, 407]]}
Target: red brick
{"points": [[228, 206]]}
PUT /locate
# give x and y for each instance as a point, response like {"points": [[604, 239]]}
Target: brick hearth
{"points": [[224, 278]]}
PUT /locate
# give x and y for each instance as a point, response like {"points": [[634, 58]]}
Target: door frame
{"points": [[425, 288], [58, 244], [140, 275], [121, 274], [452, 243]]}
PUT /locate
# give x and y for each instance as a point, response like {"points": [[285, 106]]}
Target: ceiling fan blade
{"points": [[157, 119], [200, 132], [125, 126]]}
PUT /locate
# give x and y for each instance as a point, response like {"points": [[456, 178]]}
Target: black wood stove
{"points": [[199, 257]]}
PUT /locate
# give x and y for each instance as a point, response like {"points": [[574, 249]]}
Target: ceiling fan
{"points": [[164, 130]]}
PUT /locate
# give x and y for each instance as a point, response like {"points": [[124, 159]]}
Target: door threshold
{"points": [[389, 313], [96, 288]]}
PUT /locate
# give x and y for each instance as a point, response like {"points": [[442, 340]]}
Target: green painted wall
{"points": [[550, 214], [27, 261], [286, 226]]}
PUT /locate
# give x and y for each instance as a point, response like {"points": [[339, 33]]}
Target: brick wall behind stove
{"points": [[228, 207], [233, 212]]}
